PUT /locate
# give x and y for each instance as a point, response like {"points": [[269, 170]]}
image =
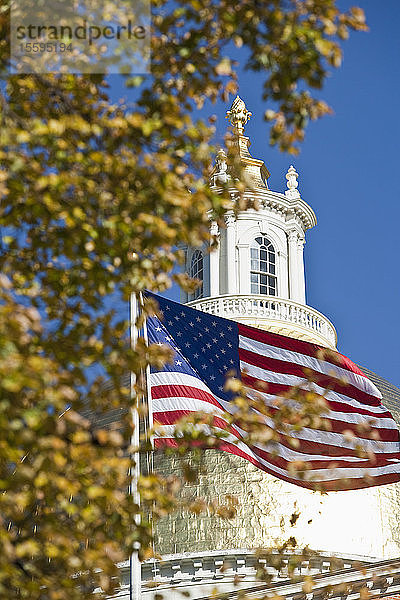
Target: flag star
{"points": [[229, 345], [158, 328], [212, 377], [203, 349], [198, 319], [225, 367], [200, 334], [167, 338], [182, 314], [230, 328], [204, 366], [208, 345], [215, 340], [176, 317], [214, 324], [223, 351], [195, 339], [159, 343], [191, 324], [222, 334], [178, 362], [187, 345], [217, 356], [232, 362], [170, 323], [179, 333], [206, 329], [211, 360], [221, 389], [195, 355]]}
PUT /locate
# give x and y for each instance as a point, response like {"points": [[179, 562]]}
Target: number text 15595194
{"points": [[41, 47]]}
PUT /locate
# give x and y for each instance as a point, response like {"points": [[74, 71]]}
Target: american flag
{"points": [[360, 448]]}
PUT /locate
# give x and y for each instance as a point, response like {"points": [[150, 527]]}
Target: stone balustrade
{"points": [[272, 313], [201, 574]]}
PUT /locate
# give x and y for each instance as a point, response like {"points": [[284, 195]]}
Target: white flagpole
{"points": [[150, 421], [135, 566], [148, 388]]}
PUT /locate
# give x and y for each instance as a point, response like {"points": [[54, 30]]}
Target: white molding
{"points": [[278, 202]]}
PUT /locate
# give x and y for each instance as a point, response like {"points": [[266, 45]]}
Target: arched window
{"points": [[263, 267], [196, 271]]}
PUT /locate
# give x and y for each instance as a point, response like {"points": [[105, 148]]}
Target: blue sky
{"points": [[348, 173], [348, 169]]}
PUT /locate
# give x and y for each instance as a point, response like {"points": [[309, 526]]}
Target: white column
{"points": [[283, 275], [243, 269], [293, 266], [300, 270], [214, 264], [206, 275], [230, 253], [184, 297]]}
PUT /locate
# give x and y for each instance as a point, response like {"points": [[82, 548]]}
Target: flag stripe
{"points": [[290, 360], [279, 453], [305, 348], [278, 383], [329, 477], [282, 368], [343, 403], [180, 391], [337, 410], [311, 438]]}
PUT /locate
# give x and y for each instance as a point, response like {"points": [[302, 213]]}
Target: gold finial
{"points": [[238, 115]]}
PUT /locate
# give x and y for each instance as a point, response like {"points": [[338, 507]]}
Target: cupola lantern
{"points": [[256, 273]]}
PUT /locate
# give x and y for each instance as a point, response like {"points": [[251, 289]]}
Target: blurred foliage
{"points": [[97, 199]]}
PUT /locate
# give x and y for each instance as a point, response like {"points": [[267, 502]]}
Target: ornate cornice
{"points": [[214, 229], [229, 219], [288, 208]]}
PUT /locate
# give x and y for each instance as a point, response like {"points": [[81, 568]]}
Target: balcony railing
{"points": [[272, 312]]}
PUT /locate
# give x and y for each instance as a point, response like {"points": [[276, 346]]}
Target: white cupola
{"points": [[256, 273]]}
